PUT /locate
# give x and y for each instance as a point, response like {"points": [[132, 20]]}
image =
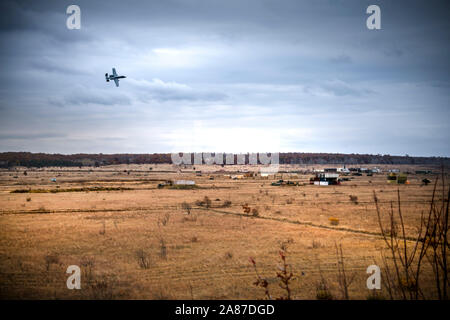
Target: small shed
{"points": [[184, 182]]}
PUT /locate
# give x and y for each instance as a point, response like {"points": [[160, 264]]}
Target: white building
{"points": [[184, 182]]}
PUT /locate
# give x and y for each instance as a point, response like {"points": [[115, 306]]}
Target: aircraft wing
{"points": [[114, 72], [116, 81]]}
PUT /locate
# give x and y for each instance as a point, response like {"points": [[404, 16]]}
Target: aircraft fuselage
{"points": [[111, 77]]}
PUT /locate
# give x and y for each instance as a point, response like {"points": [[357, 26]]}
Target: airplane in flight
{"points": [[114, 77]]}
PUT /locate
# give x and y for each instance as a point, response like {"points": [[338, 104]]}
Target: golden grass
{"points": [[117, 236], [85, 189]]}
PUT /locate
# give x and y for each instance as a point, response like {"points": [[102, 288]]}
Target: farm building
{"points": [[325, 179], [343, 170], [184, 182]]}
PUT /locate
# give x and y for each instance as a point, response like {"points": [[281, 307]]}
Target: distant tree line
{"points": [[28, 159]]}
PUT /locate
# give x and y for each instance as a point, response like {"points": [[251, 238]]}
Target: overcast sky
{"points": [[231, 76]]}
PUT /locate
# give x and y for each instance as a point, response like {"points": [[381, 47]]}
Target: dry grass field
{"points": [[133, 240]]}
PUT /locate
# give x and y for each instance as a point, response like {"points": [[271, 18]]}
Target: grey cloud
{"points": [[48, 65], [393, 52], [84, 96], [340, 88], [30, 136], [276, 66], [159, 90], [341, 59]]}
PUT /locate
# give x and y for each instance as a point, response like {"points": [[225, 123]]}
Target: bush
{"points": [[51, 258], [353, 199], [323, 292], [374, 295], [187, 207], [226, 204], [162, 249], [164, 220], [207, 202], [102, 289], [246, 208], [316, 244], [191, 217], [334, 221], [142, 258]]}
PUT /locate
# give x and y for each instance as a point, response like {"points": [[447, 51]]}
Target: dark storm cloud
{"points": [[289, 75]]}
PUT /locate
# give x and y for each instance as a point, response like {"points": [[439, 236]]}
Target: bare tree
{"points": [[343, 280], [430, 244]]}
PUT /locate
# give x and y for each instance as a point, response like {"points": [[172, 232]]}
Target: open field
{"points": [[135, 241]]}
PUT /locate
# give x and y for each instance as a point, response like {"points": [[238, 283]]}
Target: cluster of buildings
{"points": [[345, 170]]}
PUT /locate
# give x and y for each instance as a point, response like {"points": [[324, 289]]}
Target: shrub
{"points": [[191, 217], [246, 208], [164, 220], [322, 291], [207, 202], [142, 258], [51, 258], [187, 207], [316, 244], [284, 274], [102, 289], [374, 295], [226, 204], [103, 230], [88, 264], [162, 249], [334, 221], [353, 199]]}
